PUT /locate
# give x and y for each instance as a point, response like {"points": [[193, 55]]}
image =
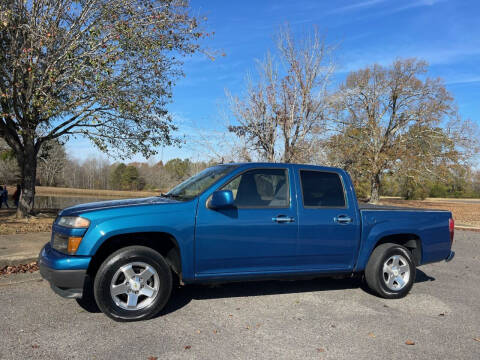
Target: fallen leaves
{"points": [[188, 347], [372, 335], [152, 358], [321, 350], [21, 268], [409, 342], [35, 346]]}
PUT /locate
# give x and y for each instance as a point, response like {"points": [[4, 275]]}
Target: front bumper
{"points": [[66, 274]]}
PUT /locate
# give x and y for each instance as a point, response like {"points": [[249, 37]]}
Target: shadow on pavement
{"points": [[182, 296]]}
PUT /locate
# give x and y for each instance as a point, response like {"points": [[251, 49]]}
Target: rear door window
{"points": [[322, 189]]}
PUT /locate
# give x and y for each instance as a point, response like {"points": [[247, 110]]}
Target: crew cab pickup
{"points": [[237, 222]]}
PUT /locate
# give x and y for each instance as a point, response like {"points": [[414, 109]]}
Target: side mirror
{"points": [[221, 199]]}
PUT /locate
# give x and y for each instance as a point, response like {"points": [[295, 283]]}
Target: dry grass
{"points": [[61, 191], [9, 224], [47, 190], [465, 213]]}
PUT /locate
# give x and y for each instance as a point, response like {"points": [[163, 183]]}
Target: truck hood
{"points": [[110, 204]]}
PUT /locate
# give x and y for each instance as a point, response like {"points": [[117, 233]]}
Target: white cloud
{"points": [[464, 80], [355, 6], [386, 55]]}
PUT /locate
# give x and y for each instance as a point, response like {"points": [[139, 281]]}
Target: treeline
{"points": [[96, 173], [463, 183], [55, 168]]}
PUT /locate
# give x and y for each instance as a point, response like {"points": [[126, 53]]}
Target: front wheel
{"points": [[134, 283], [390, 271]]}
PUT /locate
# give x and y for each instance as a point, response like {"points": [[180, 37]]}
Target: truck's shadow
{"points": [[184, 295]]}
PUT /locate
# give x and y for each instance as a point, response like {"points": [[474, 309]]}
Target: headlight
{"points": [[65, 243], [75, 222]]}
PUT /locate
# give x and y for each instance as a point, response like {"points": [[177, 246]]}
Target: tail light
{"points": [[451, 228]]}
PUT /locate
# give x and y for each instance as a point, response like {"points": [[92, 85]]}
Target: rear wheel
{"points": [[390, 271], [134, 283]]}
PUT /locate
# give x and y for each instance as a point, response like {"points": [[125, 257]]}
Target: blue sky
{"points": [[445, 33]]}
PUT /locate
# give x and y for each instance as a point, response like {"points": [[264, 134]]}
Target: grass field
{"points": [[466, 212], [46, 190], [60, 191], [9, 224]]}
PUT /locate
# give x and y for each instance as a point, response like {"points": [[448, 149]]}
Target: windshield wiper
{"points": [[172, 196]]}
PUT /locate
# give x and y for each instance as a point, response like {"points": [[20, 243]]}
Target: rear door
{"points": [[329, 225], [258, 235]]}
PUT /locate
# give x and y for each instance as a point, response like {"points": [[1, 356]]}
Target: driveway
{"points": [[316, 319]]}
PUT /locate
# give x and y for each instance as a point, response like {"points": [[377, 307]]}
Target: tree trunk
{"points": [[27, 161], [375, 189]]}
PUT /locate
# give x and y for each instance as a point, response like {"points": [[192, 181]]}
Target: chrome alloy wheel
{"points": [[396, 272], [134, 286]]}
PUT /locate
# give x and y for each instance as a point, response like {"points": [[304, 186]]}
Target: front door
{"points": [[258, 235]]}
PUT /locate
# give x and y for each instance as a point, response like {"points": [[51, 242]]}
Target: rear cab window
{"points": [[322, 189]]}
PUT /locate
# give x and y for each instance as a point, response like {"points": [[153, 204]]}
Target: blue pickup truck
{"points": [[237, 222]]}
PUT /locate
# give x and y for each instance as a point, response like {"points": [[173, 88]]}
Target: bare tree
{"points": [[284, 109], [52, 160], [394, 119]]}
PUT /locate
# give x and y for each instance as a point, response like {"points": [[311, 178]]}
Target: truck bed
{"points": [[366, 206]]}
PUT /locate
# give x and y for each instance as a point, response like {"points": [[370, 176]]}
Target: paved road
{"points": [[317, 319]]}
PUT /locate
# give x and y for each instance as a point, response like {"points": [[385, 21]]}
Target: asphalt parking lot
{"points": [[315, 319]]}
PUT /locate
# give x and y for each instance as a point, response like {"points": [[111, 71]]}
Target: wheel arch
{"points": [[409, 240], [162, 242]]}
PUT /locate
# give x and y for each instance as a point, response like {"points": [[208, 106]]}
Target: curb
{"points": [[466, 228], [17, 260]]}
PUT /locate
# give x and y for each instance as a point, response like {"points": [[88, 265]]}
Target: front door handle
{"points": [[283, 219], [342, 219]]}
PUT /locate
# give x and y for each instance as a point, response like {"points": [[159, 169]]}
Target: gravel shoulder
{"points": [[323, 318]]}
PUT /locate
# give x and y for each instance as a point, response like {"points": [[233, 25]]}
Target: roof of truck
{"points": [[269, 164]]}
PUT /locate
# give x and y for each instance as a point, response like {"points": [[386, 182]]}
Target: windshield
{"points": [[197, 184]]}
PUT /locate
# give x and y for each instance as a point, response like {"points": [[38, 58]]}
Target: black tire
{"points": [[106, 272], [87, 301], [374, 275]]}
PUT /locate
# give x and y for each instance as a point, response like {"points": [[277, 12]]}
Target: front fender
{"points": [[177, 220]]}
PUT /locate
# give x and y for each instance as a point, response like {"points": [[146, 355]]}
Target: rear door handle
{"points": [[283, 219], [342, 219]]}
